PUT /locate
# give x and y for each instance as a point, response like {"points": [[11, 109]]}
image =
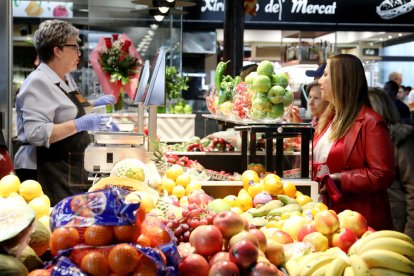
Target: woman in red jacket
{"points": [[352, 144]]}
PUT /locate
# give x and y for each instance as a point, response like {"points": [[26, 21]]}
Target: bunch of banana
{"points": [[383, 253]]}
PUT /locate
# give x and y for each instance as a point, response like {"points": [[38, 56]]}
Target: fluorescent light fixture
{"points": [[170, 1], [163, 9], [159, 17]]}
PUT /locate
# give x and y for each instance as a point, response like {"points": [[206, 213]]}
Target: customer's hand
{"points": [[90, 122], [104, 100]]}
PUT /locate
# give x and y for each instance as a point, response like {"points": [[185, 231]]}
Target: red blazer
{"points": [[368, 171]]}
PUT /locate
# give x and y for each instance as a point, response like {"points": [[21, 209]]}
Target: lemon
{"points": [[167, 184], [289, 189], [178, 191], [255, 189], [46, 198], [174, 171], [272, 184], [248, 177], [45, 220], [30, 189], [244, 201], [9, 184], [231, 200], [194, 185], [40, 207], [183, 180], [303, 199]]}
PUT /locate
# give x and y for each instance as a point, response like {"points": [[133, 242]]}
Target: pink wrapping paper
{"points": [[114, 88]]}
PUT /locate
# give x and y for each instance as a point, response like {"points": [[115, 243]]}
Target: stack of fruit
{"points": [[270, 93], [29, 191]]}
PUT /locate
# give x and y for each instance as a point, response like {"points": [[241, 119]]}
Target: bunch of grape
{"points": [[192, 217]]}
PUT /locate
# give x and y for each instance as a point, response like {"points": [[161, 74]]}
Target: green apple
{"points": [[261, 102], [249, 78], [281, 79], [188, 109], [275, 94], [287, 98], [265, 67], [276, 111], [261, 83], [257, 114], [218, 205], [178, 109]]}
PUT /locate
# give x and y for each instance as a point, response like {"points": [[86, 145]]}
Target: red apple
{"points": [[243, 235], [246, 224], [326, 221], [263, 269], [207, 240], [260, 236], [279, 236], [306, 229], [275, 252], [368, 232], [229, 223], [221, 256], [344, 239], [194, 265], [223, 269], [354, 221], [318, 240], [244, 254]]}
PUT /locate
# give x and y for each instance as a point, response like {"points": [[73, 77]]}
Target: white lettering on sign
{"points": [[301, 6], [272, 7], [212, 5]]}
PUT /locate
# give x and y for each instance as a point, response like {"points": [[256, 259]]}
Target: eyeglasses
{"points": [[74, 46]]}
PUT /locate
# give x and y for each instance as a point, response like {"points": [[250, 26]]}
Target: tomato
{"points": [[127, 233], [95, 263], [63, 238], [123, 258], [98, 235]]}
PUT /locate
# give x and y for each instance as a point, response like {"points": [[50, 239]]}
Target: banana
{"points": [[380, 271], [297, 263], [348, 271], [321, 270], [359, 266], [387, 259], [355, 247], [313, 264], [386, 233], [392, 244], [337, 266]]}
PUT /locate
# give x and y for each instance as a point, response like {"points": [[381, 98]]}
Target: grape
{"points": [[175, 223], [185, 213], [185, 227], [210, 219], [194, 223], [170, 225], [178, 231], [203, 221], [186, 235], [195, 213]]}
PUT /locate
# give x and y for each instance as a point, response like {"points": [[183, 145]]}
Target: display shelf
{"points": [[220, 189]]}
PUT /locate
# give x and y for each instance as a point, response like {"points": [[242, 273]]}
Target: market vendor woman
{"points": [[51, 121]]}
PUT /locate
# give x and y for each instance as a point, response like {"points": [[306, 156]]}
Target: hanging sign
{"points": [[47, 9]]}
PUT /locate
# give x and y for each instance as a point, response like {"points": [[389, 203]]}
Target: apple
{"points": [[281, 79], [263, 269], [224, 268], [188, 109], [306, 229], [218, 205], [244, 253], [369, 231], [194, 264], [243, 235], [178, 109], [275, 94], [249, 78], [229, 223], [246, 224], [265, 67], [260, 236], [276, 111], [287, 98], [318, 240], [257, 114], [261, 83], [275, 252], [260, 102], [221, 256], [326, 221], [278, 235], [207, 240], [293, 224], [344, 238], [354, 221]]}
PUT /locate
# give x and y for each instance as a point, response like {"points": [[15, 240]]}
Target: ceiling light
{"points": [[154, 26], [390, 36], [381, 39], [150, 32], [400, 34], [163, 9], [159, 17], [170, 1]]}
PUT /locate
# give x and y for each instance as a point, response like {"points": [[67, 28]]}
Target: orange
{"points": [[145, 267], [39, 272], [272, 184], [289, 189], [183, 180], [123, 258], [127, 233], [258, 168], [143, 240], [303, 199], [249, 176], [98, 235], [174, 171], [63, 238], [95, 263]]}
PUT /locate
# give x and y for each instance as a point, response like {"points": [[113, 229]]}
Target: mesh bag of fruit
{"points": [[242, 101]]}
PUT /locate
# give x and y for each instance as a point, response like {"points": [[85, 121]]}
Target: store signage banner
{"points": [[370, 52], [317, 11], [42, 9]]}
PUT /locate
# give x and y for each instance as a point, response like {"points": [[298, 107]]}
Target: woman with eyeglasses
{"points": [[52, 124]]}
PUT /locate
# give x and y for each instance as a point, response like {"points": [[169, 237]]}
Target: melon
{"points": [[30, 259], [131, 168], [11, 266], [40, 239]]}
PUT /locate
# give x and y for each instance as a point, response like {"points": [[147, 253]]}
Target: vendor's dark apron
{"points": [[60, 167]]}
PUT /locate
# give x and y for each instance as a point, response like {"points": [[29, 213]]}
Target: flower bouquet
{"points": [[116, 63]]}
